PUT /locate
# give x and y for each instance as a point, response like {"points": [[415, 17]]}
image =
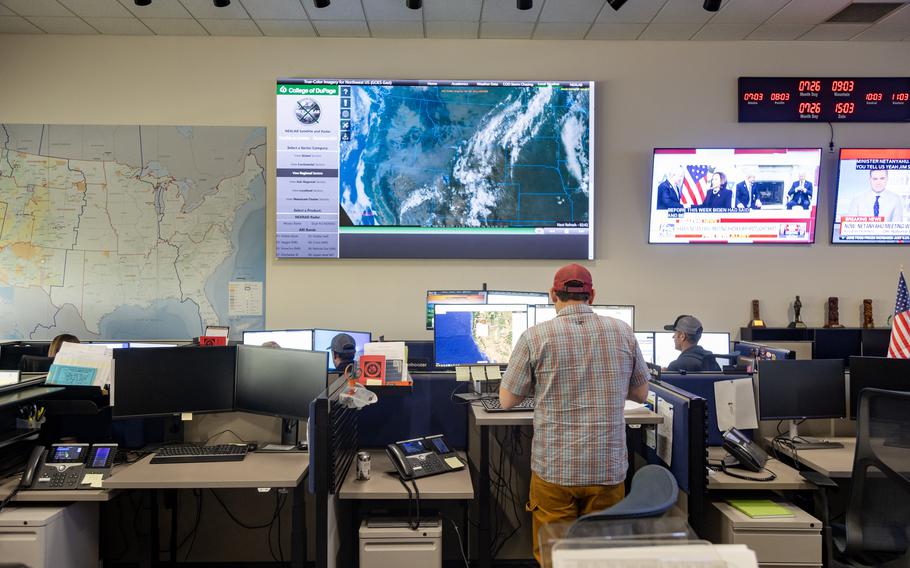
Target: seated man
{"points": [[687, 332], [344, 349]]}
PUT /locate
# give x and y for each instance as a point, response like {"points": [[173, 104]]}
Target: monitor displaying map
{"points": [[434, 169], [134, 231], [467, 335]]}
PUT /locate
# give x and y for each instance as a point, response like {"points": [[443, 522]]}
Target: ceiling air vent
{"points": [[864, 12]]}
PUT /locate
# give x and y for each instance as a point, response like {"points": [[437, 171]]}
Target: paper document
{"points": [[665, 431], [244, 298], [735, 405], [393, 351], [93, 480], [670, 556], [632, 406], [83, 365]]}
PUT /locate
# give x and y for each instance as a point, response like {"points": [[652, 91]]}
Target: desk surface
{"points": [[526, 418], [256, 470], [788, 479], [381, 485], [835, 463], [53, 496]]}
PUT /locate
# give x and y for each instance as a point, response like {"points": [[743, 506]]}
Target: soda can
{"points": [[363, 466]]}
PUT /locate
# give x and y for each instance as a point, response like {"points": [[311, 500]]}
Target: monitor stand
{"points": [[809, 443]]}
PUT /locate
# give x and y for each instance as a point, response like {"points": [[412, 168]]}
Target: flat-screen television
{"points": [[734, 195], [371, 168], [873, 193]]}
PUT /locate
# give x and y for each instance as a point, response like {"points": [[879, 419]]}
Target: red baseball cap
{"points": [[576, 275]]}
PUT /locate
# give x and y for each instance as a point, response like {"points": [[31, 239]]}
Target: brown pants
{"points": [[549, 503]]}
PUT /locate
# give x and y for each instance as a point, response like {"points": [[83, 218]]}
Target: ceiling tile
{"points": [[4, 11], [747, 11], [561, 30], [467, 30], [231, 27], [670, 32], [175, 26], [206, 10], [834, 32], [391, 11], [779, 32], [683, 12], [17, 25], [287, 28], [274, 9], [506, 11], [506, 30], [882, 32], [159, 9], [899, 17], [636, 12], [397, 30], [97, 8], [119, 26], [38, 8], [572, 10], [342, 28], [616, 31], [453, 10], [807, 11], [54, 25], [724, 32], [338, 10]]}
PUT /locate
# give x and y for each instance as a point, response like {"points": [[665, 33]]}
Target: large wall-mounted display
{"points": [[434, 169], [734, 195], [873, 193]]}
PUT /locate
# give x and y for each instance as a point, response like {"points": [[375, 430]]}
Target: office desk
{"points": [[836, 463], [53, 496], [381, 485], [257, 470], [788, 479], [485, 420]]}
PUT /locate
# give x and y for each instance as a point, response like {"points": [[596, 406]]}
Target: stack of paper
{"points": [[669, 556], [78, 364], [396, 359], [632, 406]]}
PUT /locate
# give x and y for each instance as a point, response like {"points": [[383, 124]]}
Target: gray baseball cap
{"points": [[344, 345], [686, 324]]}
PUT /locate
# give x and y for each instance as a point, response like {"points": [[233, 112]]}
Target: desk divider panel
{"points": [[702, 384], [427, 410], [689, 454]]}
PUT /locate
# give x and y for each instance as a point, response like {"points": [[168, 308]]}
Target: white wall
{"points": [[649, 94]]}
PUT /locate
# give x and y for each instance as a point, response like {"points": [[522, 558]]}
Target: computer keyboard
{"points": [[493, 405], [198, 454]]}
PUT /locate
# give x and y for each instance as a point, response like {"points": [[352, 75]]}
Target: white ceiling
{"points": [[774, 20]]}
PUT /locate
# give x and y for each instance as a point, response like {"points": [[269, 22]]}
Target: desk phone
{"points": [[422, 457], [69, 466]]}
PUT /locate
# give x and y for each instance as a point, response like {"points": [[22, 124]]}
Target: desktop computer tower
{"points": [[389, 542]]}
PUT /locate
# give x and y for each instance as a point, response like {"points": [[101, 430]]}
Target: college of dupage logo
{"points": [[308, 111]]}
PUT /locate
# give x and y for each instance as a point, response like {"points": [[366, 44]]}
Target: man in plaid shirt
{"points": [[580, 368]]}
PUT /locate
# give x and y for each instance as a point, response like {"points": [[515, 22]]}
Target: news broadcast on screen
{"points": [[734, 195], [873, 188]]}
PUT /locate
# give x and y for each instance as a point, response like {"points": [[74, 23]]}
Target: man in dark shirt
{"points": [[687, 332]]}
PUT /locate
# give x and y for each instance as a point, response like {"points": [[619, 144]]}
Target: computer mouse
{"points": [[251, 446]]}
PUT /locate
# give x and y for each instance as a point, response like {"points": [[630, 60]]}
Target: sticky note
{"points": [[493, 373], [93, 480], [478, 374], [186, 416], [462, 374], [374, 382], [454, 462]]}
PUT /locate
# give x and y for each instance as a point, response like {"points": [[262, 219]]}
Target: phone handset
{"points": [[35, 461], [401, 464]]}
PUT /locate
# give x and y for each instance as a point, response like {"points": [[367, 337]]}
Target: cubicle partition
{"points": [[688, 457], [702, 384]]}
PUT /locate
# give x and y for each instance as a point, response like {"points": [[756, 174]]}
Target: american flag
{"points": [[695, 184], [899, 348]]}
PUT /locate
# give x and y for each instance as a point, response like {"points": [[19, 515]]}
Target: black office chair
{"points": [[877, 529], [35, 364]]}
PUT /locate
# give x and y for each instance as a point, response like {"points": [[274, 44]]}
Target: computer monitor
{"points": [[794, 390], [286, 338], [622, 313], [279, 382], [528, 298], [646, 344], [466, 335], [876, 342], [322, 341], [665, 352], [173, 380], [111, 344], [762, 352], [877, 373], [837, 344], [452, 297], [137, 345]]}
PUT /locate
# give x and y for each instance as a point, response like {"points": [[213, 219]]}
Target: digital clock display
{"points": [[827, 99]]}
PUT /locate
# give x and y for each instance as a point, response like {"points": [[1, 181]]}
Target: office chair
{"points": [[35, 364], [654, 491], [878, 510]]}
